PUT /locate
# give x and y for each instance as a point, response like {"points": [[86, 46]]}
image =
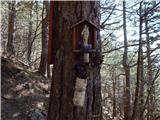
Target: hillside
{"points": [[24, 94]]}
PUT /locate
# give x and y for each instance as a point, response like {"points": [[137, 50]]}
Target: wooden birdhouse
{"points": [[84, 36]]}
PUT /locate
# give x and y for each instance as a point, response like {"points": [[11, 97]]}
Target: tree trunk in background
{"points": [[141, 68], [113, 73], [63, 82], [44, 52], [11, 24], [137, 101], [29, 46], [141, 93], [127, 107], [150, 102]]}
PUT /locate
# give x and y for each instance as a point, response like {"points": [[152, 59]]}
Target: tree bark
{"points": [[11, 25], [61, 105], [150, 102], [136, 111], [44, 52], [29, 48], [127, 107], [114, 91]]}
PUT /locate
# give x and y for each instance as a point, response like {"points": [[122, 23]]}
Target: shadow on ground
{"points": [[24, 94]]}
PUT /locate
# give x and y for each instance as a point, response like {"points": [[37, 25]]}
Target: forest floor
{"points": [[24, 94]]}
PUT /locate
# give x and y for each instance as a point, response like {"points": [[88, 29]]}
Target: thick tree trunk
{"points": [[11, 24], [61, 105], [127, 107], [44, 52]]}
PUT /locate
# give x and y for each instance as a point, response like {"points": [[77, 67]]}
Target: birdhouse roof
{"points": [[83, 21]]}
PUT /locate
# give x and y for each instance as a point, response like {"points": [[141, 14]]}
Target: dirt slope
{"points": [[24, 94]]}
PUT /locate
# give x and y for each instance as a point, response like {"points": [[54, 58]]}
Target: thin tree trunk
{"points": [[61, 105], [136, 111], [114, 91], [150, 105], [127, 107], [44, 52], [11, 25], [29, 46], [142, 82], [141, 96]]}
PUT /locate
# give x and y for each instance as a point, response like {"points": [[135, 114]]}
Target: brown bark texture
{"points": [[150, 101], [114, 92], [127, 97], [137, 107], [11, 24], [44, 52], [61, 105], [29, 46]]}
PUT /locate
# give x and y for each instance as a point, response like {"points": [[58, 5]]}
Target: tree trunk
{"points": [[29, 46], [136, 111], [11, 25], [127, 107], [150, 102], [44, 52], [61, 105], [114, 91], [141, 68]]}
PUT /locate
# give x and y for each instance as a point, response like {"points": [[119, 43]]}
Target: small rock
{"points": [[37, 115], [40, 105]]}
